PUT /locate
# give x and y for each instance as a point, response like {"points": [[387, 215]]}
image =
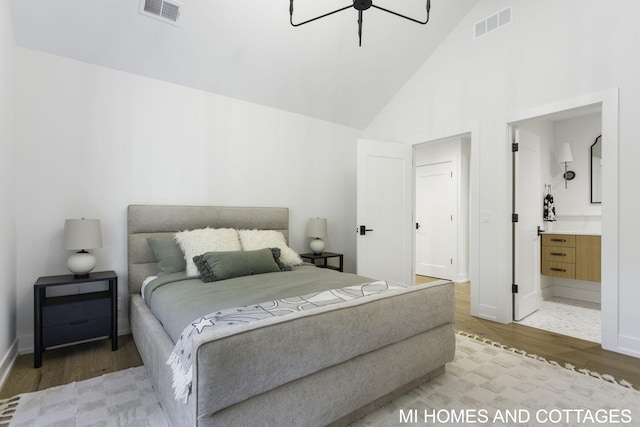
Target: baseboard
{"points": [[575, 293], [462, 278], [629, 345], [7, 362]]}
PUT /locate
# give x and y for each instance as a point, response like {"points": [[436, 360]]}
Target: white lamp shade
{"points": [[82, 234], [564, 154], [317, 227]]}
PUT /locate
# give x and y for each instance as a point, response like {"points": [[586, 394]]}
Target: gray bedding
{"points": [[356, 356], [177, 300]]}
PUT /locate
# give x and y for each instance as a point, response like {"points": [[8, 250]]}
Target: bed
{"points": [[329, 365]]}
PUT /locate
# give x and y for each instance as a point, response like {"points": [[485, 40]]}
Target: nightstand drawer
{"points": [[558, 254], [559, 269], [77, 312], [78, 330]]}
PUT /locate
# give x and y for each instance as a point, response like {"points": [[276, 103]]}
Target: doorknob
{"points": [[364, 229], [417, 225]]}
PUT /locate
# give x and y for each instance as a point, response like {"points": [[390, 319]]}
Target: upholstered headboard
{"points": [[144, 221]]}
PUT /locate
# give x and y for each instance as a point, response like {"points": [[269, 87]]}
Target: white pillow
{"points": [[198, 242], [259, 239]]}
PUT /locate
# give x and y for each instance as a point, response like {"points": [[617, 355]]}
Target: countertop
{"points": [[577, 233]]}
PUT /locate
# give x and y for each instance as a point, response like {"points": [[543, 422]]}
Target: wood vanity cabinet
{"points": [[571, 256]]}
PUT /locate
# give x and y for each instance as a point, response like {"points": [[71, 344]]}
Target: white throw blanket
{"points": [[181, 361]]}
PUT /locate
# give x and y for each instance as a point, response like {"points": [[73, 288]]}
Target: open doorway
{"points": [[442, 208], [556, 233]]}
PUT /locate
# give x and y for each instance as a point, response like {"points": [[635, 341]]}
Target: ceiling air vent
{"points": [[493, 22], [167, 11]]}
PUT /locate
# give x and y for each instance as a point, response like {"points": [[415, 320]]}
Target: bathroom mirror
{"points": [[596, 171]]}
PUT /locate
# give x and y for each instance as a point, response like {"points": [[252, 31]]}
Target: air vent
{"points": [[493, 22], [166, 11]]}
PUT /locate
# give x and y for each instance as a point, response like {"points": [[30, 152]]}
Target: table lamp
{"points": [[81, 235], [317, 228]]}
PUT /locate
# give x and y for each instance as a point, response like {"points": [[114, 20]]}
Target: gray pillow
{"points": [[168, 254], [215, 266]]}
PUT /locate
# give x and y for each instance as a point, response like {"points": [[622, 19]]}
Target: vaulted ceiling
{"points": [[247, 49]]}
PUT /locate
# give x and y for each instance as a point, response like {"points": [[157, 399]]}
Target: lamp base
{"points": [[81, 263], [317, 246]]}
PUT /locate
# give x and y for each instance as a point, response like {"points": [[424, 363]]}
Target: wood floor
{"points": [[550, 345], [68, 364], [84, 361]]}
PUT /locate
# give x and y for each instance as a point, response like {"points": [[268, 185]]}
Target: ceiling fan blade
{"points": [[428, 8], [312, 19], [360, 28]]}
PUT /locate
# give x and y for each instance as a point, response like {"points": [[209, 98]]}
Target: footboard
{"points": [[348, 357]]}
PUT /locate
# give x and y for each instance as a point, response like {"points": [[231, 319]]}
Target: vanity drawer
{"points": [[558, 254], [559, 269], [568, 240]]}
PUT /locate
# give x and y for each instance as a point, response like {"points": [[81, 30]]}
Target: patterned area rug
{"points": [[487, 384], [124, 398]]}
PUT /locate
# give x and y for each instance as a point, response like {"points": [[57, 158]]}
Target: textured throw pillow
{"points": [[168, 254], [198, 242], [214, 266], [260, 239]]}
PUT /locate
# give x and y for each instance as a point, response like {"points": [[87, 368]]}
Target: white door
{"points": [[527, 201], [436, 237], [384, 211]]}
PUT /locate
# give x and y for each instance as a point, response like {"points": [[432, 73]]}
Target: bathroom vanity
{"points": [[571, 256]]}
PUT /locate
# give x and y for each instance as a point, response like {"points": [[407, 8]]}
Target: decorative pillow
{"points": [[260, 239], [215, 266], [276, 256], [168, 254], [198, 242]]}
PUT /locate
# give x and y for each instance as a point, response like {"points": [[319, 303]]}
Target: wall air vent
{"points": [[166, 11], [493, 22]]}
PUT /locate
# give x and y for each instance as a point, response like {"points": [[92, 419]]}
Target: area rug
{"points": [[487, 384], [123, 398]]}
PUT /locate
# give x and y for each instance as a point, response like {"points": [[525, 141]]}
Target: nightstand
{"points": [[324, 256], [71, 318]]}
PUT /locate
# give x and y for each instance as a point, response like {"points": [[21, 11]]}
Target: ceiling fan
{"points": [[360, 6]]}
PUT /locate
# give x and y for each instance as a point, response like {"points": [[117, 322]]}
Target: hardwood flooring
{"points": [[68, 364], [552, 346], [84, 361]]}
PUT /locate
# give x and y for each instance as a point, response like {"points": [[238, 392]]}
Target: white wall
{"points": [[551, 52], [573, 204], [92, 140], [7, 195]]}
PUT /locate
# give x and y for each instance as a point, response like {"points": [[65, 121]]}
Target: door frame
{"points": [[469, 130], [608, 102], [462, 217]]}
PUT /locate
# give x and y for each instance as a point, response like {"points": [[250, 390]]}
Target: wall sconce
{"points": [[80, 235], [317, 228], [565, 156]]}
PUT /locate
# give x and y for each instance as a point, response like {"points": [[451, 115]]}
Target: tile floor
{"points": [[575, 318]]}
